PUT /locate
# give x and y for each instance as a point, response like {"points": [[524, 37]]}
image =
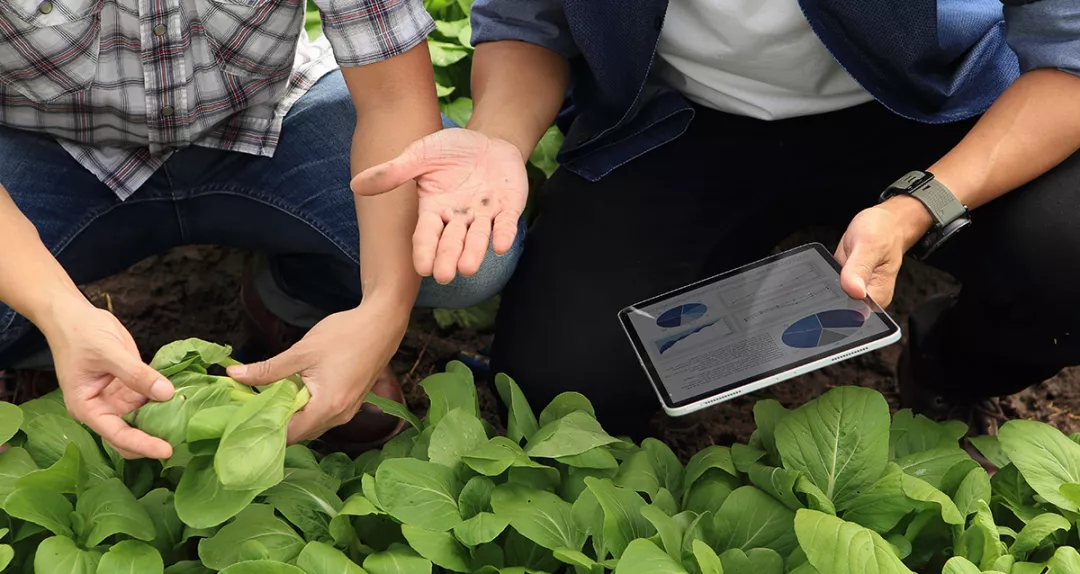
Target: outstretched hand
{"points": [[473, 189]]}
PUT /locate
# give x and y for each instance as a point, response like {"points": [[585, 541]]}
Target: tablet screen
{"points": [[751, 323]]}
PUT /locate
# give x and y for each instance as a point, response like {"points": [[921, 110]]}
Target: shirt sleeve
{"points": [[540, 22], [368, 31], [1044, 33]]}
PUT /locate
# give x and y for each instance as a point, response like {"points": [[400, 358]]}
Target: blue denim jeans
{"points": [[296, 208]]}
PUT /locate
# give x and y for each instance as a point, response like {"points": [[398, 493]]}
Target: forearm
{"points": [[518, 89], [1032, 127], [32, 282], [395, 106]]}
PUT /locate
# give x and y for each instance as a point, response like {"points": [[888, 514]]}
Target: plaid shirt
{"points": [[122, 84]]}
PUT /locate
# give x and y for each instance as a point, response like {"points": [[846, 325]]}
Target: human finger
{"points": [[476, 246], [129, 442], [429, 229], [449, 252]]}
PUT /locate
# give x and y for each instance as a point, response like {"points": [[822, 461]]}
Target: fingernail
{"points": [[161, 390], [238, 370]]}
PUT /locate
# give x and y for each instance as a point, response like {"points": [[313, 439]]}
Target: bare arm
{"points": [[518, 89], [1033, 126]]}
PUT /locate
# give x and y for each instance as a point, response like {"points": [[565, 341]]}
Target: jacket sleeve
{"points": [[540, 22], [1044, 33]]}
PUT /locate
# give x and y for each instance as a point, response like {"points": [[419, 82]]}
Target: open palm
{"points": [[473, 190]]}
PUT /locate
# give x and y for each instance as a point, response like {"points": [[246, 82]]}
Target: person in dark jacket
{"points": [[701, 133]]}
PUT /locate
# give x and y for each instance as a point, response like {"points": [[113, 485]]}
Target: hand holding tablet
{"points": [[752, 327]]}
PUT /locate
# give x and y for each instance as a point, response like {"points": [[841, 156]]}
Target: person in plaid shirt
{"points": [[129, 127]]}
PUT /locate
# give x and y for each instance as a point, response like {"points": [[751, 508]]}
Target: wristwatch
{"points": [[950, 216]]}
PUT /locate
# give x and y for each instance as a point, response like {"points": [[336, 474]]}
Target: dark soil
{"points": [[193, 292]]}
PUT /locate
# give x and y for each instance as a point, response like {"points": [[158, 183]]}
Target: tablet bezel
{"points": [[798, 367]]}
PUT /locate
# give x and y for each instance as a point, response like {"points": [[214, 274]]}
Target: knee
{"points": [[464, 292]]}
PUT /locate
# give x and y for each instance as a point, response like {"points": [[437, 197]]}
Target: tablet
{"points": [[752, 327]]}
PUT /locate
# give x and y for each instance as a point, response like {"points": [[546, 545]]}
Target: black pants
{"points": [[724, 194]]}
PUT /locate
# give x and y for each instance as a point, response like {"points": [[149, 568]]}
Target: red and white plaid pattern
{"points": [[123, 83]]}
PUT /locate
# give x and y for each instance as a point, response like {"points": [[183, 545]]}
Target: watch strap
{"points": [[940, 202]]}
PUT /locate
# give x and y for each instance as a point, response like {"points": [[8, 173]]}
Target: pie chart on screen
{"points": [[823, 329], [681, 315]]}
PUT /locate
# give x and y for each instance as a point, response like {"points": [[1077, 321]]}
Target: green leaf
{"points": [[110, 508], [598, 458], [981, 543], [300, 456], [911, 434], [778, 483], [482, 528], [1046, 458], [253, 550], [187, 352], [522, 423], [202, 501], [445, 54], [669, 470], [710, 457], [756, 561], [52, 403], [398, 559], [834, 546], [664, 501], [441, 548], [710, 491], [1010, 488], [839, 440], [564, 404], [262, 567], [921, 491], [574, 558], [670, 534], [960, 565], [45, 508], [975, 487], [767, 414], [939, 466], [643, 557], [707, 560], [451, 30], [1066, 560], [66, 476], [990, 447], [337, 465], [11, 418], [493, 457], [48, 437], [638, 473], [15, 463], [394, 408], [457, 433], [523, 555], [540, 516], [573, 434], [449, 391], [420, 493], [545, 154], [319, 558], [199, 409], [59, 554], [305, 502], [252, 451], [7, 554], [1034, 532], [475, 497], [256, 522], [188, 567], [751, 519], [168, 529], [131, 557], [623, 521]]}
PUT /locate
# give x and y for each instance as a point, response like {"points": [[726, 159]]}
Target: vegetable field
{"points": [[836, 486]]}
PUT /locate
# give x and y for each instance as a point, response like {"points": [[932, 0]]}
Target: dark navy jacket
{"points": [[928, 60]]}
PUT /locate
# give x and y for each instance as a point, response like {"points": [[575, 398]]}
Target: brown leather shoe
{"points": [[268, 335]]}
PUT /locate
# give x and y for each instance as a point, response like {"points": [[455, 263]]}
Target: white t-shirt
{"points": [[756, 58]]}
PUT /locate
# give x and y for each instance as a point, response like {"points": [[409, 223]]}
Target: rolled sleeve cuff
{"points": [[1044, 33], [539, 23], [368, 31]]}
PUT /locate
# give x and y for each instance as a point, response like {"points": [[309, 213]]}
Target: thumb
{"points": [[139, 377], [266, 372], [391, 175], [858, 270]]}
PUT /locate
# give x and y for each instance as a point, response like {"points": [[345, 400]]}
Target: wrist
{"points": [[55, 313], [492, 130], [913, 220]]}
